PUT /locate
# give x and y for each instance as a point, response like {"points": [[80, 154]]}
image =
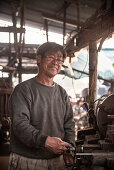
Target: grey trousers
{"points": [[18, 162]]}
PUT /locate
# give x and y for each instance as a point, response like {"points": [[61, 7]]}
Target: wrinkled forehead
{"points": [[56, 53]]}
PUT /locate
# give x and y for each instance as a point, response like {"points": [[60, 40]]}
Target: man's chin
{"points": [[52, 74]]}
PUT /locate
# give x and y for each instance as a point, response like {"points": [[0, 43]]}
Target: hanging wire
{"points": [[79, 76], [84, 67]]}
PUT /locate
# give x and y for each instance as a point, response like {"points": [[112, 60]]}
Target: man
{"points": [[42, 126]]}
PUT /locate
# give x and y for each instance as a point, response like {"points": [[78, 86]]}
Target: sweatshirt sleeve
{"points": [[69, 124], [19, 110]]}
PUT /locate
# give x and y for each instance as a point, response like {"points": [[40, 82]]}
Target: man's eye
{"points": [[51, 57], [59, 60]]}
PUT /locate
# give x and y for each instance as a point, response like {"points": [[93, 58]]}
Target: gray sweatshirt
{"points": [[38, 111]]}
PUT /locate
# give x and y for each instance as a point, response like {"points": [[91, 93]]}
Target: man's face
{"points": [[51, 64]]}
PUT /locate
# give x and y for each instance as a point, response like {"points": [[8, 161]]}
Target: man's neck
{"points": [[45, 80]]}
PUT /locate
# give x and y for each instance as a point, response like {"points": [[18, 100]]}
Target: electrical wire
{"points": [[84, 67], [79, 77]]}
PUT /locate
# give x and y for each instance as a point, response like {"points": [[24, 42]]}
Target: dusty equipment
{"points": [[4, 121], [4, 116], [95, 144]]}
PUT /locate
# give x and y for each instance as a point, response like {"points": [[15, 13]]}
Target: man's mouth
{"points": [[55, 68]]}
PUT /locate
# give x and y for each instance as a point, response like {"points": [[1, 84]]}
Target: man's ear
{"points": [[38, 59]]}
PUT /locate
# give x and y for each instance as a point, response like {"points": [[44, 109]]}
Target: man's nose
{"points": [[55, 61]]}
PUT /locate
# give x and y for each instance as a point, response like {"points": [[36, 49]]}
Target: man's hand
{"points": [[56, 145]]}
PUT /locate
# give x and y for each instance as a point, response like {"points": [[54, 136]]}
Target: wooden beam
{"points": [[100, 26], [69, 22], [12, 29]]}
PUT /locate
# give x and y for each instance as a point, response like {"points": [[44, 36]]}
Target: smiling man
{"points": [[42, 125]]}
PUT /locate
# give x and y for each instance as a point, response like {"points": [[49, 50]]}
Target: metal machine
{"points": [[5, 92], [95, 144], [4, 117]]}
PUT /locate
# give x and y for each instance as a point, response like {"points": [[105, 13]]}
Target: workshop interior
{"points": [[83, 27]]}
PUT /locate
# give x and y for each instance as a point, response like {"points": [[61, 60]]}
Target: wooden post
{"points": [[64, 22], [46, 28], [21, 40], [9, 59], [93, 60], [112, 86], [78, 16]]}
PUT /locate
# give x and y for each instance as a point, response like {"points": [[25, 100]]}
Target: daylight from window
{"points": [[32, 35]]}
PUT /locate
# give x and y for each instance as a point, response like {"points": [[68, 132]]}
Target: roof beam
{"points": [[69, 22], [12, 29], [99, 26]]}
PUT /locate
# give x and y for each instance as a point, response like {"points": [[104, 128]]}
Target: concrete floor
{"points": [[4, 162]]}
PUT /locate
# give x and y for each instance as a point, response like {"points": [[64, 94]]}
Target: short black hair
{"points": [[50, 46]]}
